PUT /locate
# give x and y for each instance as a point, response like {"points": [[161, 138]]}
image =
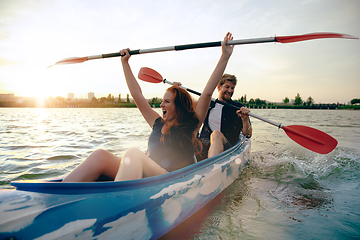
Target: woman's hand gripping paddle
{"points": [[310, 138]]}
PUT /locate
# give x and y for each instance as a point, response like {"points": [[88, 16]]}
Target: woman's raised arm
{"points": [[205, 98], [148, 113]]}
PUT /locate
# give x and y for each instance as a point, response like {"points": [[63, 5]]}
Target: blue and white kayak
{"points": [[138, 209]]}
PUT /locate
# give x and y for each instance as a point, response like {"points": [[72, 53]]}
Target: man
{"points": [[223, 124]]}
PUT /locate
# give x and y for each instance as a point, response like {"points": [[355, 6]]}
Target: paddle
{"points": [[310, 138], [283, 39]]}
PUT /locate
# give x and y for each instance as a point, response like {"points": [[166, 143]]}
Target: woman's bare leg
{"points": [[135, 164], [217, 142], [97, 163]]}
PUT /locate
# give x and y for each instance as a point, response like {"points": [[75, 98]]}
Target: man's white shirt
{"points": [[215, 117]]}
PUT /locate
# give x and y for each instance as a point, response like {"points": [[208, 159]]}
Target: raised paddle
{"points": [[310, 138], [283, 39]]}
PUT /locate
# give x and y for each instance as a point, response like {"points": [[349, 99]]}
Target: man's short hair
{"points": [[227, 77]]}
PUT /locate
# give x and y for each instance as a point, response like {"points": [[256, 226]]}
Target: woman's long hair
{"points": [[185, 121]]}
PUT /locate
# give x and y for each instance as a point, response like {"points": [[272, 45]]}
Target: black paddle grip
{"points": [[117, 54], [197, 45]]}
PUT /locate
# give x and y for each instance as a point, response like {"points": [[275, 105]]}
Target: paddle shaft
{"points": [[230, 105], [185, 47], [280, 39]]}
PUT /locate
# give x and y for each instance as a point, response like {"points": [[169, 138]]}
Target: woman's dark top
{"points": [[174, 153]]}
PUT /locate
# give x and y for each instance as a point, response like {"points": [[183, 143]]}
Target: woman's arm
{"points": [[204, 100], [148, 113]]}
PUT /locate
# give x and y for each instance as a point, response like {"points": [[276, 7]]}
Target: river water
{"points": [[286, 191]]}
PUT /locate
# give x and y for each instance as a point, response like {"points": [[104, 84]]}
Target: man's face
{"points": [[226, 91]]}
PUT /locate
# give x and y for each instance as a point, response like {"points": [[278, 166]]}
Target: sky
{"points": [[35, 34]]}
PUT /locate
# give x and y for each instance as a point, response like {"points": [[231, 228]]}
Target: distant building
{"points": [[91, 95], [7, 97], [71, 96]]}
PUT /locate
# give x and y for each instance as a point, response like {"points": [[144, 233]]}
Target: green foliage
{"points": [[260, 102], [94, 100], [155, 101], [298, 100], [109, 102], [254, 102], [286, 100], [242, 99], [350, 107], [102, 100], [355, 100], [110, 99], [310, 101]]}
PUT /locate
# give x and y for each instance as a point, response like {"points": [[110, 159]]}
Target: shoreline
{"points": [[132, 105]]}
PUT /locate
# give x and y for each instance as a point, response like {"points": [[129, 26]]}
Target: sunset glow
{"points": [[35, 35]]}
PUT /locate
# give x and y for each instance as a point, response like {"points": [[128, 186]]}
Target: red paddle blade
{"points": [[311, 36], [71, 60], [149, 75], [311, 138]]}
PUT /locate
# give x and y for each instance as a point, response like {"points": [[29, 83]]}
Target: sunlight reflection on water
{"points": [[61, 138]]}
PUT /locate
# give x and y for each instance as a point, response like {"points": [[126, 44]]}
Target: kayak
{"points": [[138, 209]]}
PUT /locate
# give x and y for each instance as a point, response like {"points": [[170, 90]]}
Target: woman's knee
{"points": [[133, 152], [132, 155], [100, 155], [103, 160], [99, 152]]}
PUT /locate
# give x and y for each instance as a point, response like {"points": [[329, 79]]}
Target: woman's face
{"points": [[168, 106]]}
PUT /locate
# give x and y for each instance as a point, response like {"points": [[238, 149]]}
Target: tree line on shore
{"points": [[111, 101], [297, 103]]}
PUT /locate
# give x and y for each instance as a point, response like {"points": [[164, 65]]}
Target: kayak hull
{"points": [[138, 209]]}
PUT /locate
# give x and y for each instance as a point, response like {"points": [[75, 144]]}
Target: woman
{"points": [[173, 142]]}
